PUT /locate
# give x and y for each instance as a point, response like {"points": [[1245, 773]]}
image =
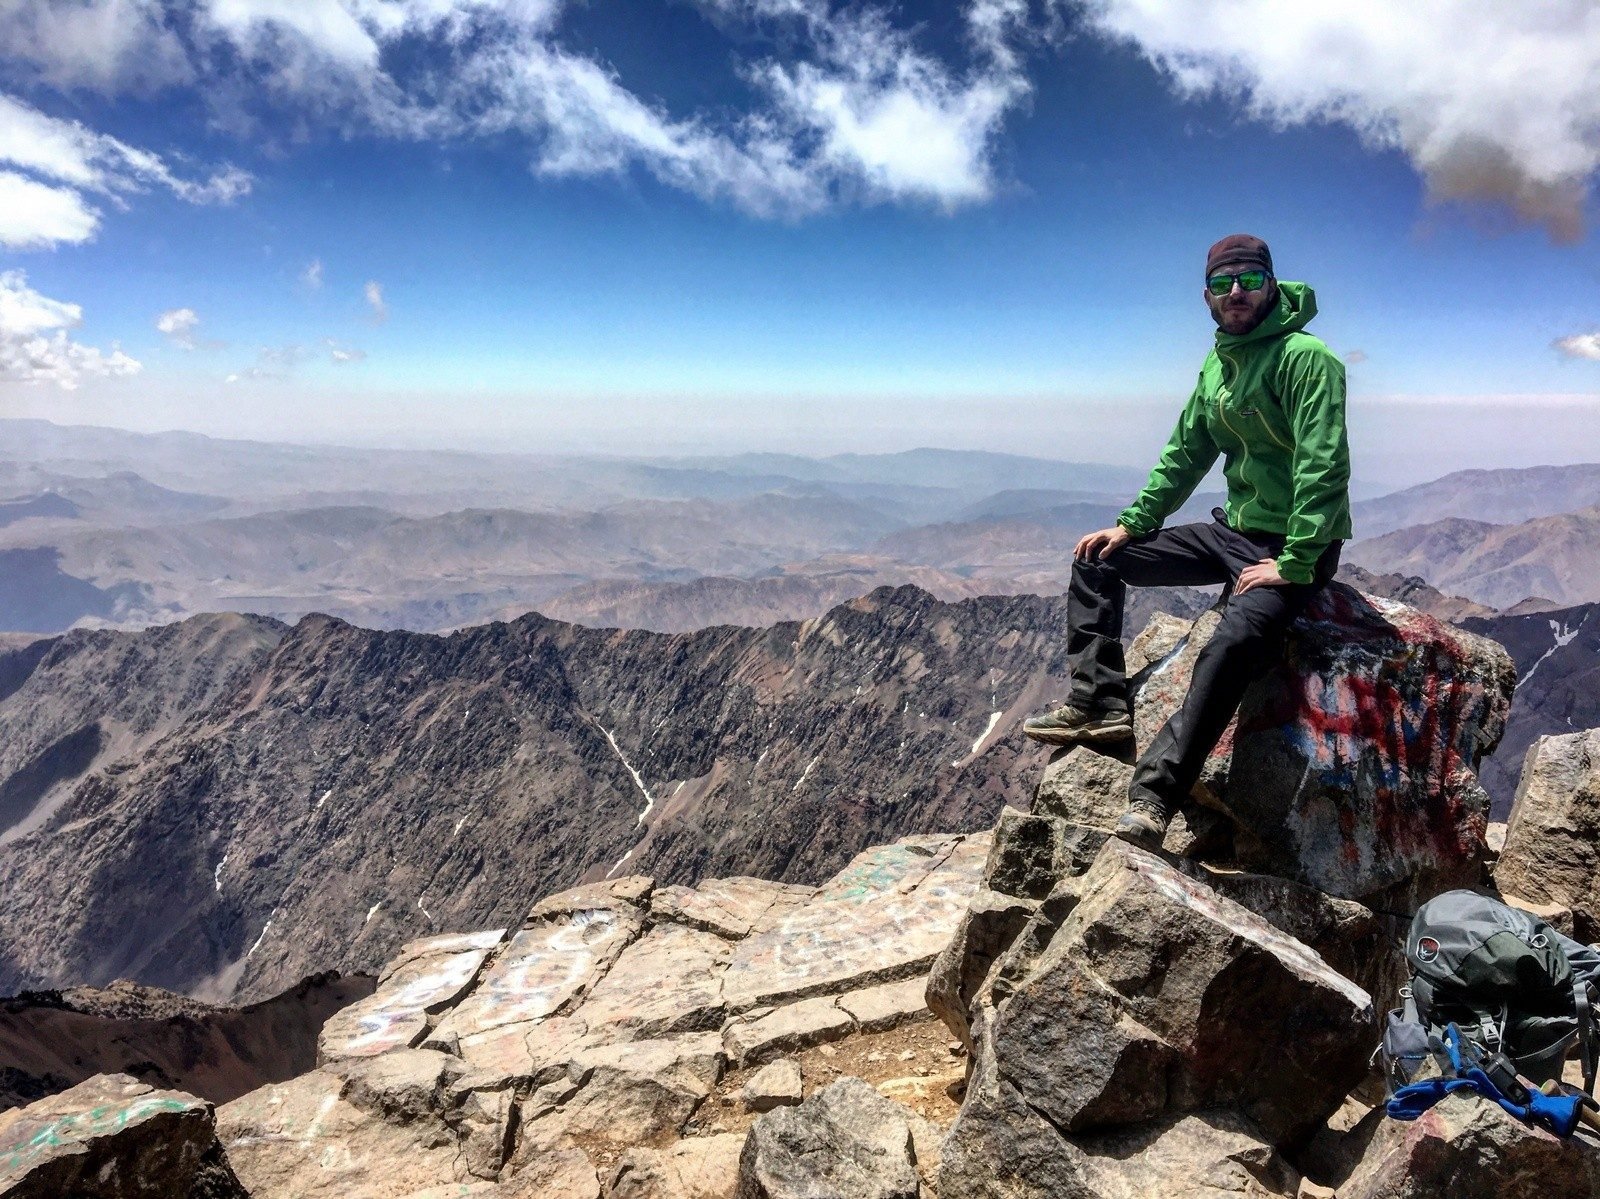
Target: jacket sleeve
{"points": [[1313, 393], [1189, 454]]}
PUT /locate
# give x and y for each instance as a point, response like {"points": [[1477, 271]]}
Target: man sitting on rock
{"points": [[1270, 401]]}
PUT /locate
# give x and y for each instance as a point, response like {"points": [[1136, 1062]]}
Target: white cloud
{"points": [[1490, 101], [34, 342], [341, 354], [179, 325], [374, 294], [34, 215], [275, 363], [848, 105], [1580, 345], [104, 45], [311, 277], [76, 160]]}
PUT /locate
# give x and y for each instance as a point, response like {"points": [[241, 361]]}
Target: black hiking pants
{"points": [[1245, 645]]}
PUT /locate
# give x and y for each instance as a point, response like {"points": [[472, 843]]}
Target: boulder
{"points": [[846, 1142], [1351, 764], [694, 1168], [1468, 1148], [1018, 1154], [963, 968], [1549, 855], [777, 1084], [1146, 993], [1363, 945], [1354, 762], [113, 1137]]}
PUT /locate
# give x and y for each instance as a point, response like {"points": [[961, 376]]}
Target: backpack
{"points": [[1513, 986]]}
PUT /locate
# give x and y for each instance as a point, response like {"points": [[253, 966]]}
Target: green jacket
{"points": [[1271, 402]]}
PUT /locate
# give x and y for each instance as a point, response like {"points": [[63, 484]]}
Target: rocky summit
{"points": [[1036, 1011]]}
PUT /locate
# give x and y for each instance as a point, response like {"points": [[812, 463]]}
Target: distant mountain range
{"points": [[177, 524], [1555, 558]]}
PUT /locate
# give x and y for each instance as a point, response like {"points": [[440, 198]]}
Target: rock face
{"points": [[1549, 854], [575, 1053], [113, 1137], [322, 794], [1351, 765]]}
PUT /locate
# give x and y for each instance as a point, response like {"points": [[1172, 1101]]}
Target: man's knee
{"points": [[1096, 572]]}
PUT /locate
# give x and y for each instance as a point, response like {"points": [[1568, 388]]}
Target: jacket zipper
{"points": [[1222, 411]]}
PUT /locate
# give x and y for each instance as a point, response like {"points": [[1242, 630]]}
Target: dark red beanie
{"points": [[1239, 251]]}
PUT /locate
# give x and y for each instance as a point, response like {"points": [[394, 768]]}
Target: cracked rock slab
{"points": [[729, 907], [694, 1168], [396, 1015], [888, 1005], [787, 1029], [667, 982], [884, 917], [620, 1095], [546, 967], [304, 1139]]}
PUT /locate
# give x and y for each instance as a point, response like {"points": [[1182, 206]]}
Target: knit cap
{"points": [[1239, 251]]}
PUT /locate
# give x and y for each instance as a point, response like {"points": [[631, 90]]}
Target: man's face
{"points": [[1241, 311]]}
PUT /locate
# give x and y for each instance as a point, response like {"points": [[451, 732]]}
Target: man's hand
{"points": [[1263, 574], [1098, 545]]}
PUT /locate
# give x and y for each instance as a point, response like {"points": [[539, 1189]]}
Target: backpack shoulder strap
{"points": [[1586, 1031]]}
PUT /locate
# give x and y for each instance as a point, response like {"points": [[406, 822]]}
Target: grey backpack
{"points": [[1505, 978]]}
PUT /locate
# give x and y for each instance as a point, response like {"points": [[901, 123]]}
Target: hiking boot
{"points": [[1072, 725], [1144, 823]]}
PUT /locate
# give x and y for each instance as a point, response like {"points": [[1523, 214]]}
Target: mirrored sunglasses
{"points": [[1221, 285]]}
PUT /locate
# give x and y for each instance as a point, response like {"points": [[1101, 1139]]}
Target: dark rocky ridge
{"points": [[50, 1040], [264, 802]]}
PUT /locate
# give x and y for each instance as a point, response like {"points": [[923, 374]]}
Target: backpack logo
{"points": [[1427, 949]]}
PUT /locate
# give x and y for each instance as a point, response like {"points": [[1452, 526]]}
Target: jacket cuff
{"points": [[1137, 523], [1294, 570]]}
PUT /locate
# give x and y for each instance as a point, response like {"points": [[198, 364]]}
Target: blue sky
{"points": [[782, 223]]}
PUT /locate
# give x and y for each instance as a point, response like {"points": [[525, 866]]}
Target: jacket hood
{"points": [[1296, 305]]}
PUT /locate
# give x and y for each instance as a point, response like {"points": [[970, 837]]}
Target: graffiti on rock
{"points": [[543, 968], [31, 1138], [395, 1017]]}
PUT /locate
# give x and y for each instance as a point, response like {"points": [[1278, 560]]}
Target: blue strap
{"points": [[1558, 1113]]}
